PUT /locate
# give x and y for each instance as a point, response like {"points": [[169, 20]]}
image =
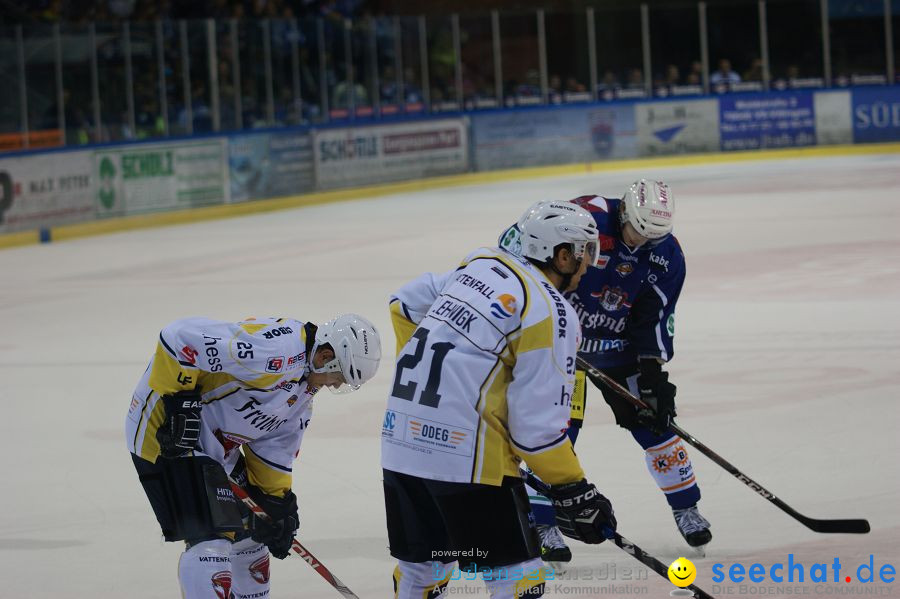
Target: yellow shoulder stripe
{"points": [[537, 336], [403, 327], [169, 375], [269, 480], [555, 466], [252, 327]]}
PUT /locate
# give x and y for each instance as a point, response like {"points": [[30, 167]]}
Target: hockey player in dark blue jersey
{"points": [[626, 305]]}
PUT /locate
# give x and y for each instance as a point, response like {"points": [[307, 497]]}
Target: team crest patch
{"points": [[292, 400], [259, 570], [221, 584], [611, 299], [625, 268], [275, 364], [504, 306]]}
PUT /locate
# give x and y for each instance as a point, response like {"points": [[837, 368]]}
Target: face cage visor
{"points": [[586, 250], [341, 364]]}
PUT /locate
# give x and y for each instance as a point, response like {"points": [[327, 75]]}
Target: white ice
{"points": [[787, 353]]}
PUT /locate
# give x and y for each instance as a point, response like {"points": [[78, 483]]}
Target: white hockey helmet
{"points": [[548, 224], [650, 207], [357, 350]]}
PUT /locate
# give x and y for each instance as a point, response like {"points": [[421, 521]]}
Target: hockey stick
{"points": [[299, 549], [620, 541], [849, 525]]}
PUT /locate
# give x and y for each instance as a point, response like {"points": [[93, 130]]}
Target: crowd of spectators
{"points": [[85, 11]]}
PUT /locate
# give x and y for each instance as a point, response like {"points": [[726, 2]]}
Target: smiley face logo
{"points": [[682, 572]]}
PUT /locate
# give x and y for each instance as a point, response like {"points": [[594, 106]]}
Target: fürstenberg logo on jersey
{"points": [[596, 320], [794, 578]]}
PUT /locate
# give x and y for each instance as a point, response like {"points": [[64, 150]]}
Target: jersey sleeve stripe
{"points": [[659, 341], [232, 392], [137, 431], [267, 462], [540, 448], [478, 462]]}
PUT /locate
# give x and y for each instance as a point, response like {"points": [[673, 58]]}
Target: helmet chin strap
{"points": [[566, 276]]}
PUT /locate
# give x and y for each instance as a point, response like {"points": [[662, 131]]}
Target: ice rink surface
{"points": [[787, 363]]}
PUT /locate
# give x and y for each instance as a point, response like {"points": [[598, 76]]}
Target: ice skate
{"points": [[693, 527], [554, 550]]}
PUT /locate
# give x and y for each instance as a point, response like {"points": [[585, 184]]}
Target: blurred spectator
{"points": [[635, 79], [532, 86], [695, 76], [342, 91], [755, 72], [201, 116], [554, 89], [673, 75], [609, 82], [121, 9], [412, 91], [724, 74], [554, 84], [574, 86]]}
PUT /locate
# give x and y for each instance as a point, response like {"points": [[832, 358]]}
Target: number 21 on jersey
{"points": [[429, 396]]}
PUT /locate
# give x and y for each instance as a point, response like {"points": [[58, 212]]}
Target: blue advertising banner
{"points": [[751, 122], [559, 135], [876, 114], [268, 165]]}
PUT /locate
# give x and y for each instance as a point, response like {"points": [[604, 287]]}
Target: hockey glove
{"points": [[276, 533], [180, 429], [659, 394], [582, 512]]}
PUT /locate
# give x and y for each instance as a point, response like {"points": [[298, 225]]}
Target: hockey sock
{"points": [[670, 466], [424, 580], [249, 570], [204, 570], [523, 580]]}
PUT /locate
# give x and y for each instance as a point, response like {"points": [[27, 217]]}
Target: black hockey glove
{"points": [[180, 429], [277, 533], [582, 512], [658, 393]]}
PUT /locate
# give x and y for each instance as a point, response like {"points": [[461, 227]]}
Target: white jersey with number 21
{"points": [[485, 374]]}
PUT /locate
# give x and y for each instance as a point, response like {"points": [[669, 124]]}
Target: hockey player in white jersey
{"points": [[223, 398], [484, 375]]}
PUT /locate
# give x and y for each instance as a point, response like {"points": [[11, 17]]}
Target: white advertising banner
{"points": [[155, 177], [45, 190], [677, 127], [834, 124], [383, 153]]}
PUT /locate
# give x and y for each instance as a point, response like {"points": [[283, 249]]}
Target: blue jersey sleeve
{"points": [[651, 327]]}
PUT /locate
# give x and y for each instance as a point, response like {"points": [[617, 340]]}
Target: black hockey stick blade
{"points": [[851, 525], [620, 541]]}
